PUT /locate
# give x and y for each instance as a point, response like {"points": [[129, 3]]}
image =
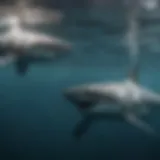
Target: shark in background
{"points": [[17, 40]]}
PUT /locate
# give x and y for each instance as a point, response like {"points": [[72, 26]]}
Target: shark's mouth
{"points": [[84, 104], [80, 103]]}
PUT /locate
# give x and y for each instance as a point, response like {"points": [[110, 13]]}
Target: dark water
{"points": [[37, 121]]}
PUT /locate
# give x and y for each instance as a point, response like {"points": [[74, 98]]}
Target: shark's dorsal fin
{"points": [[134, 59], [133, 44], [133, 74], [21, 6]]}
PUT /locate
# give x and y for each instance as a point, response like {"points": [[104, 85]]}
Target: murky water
{"points": [[37, 121]]}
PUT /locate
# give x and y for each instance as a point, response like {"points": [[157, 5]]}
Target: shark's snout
{"points": [[68, 46], [65, 46], [70, 95], [63, 49], [74, 95], [78, 98]]}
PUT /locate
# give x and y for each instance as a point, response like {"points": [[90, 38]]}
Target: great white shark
{"points": [[127, 98], [17, 40]]}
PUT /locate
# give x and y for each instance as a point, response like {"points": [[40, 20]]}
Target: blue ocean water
{"points": [[37, 121]]}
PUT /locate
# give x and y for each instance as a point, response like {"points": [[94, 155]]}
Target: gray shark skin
{"points": [[18, 38], [130, 99]]}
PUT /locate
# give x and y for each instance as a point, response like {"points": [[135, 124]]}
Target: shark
{"points": [[127, 99], [17, 40]]}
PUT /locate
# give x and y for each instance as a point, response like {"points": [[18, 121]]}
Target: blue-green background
{"points": [[36, 121]]}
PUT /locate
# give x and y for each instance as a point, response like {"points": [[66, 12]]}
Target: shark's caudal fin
{"points": [[22, 65], [134, 72], [82, 127], [135, 121]]}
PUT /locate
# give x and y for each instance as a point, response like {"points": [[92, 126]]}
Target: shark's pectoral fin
{"points": [[22, 65], [135, 121], [82, 127]]}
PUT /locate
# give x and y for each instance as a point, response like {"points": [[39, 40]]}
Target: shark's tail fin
{"points": [[82, 127]]}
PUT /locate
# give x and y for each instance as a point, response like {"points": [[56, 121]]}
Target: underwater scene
{"points": [[37, 120]]}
